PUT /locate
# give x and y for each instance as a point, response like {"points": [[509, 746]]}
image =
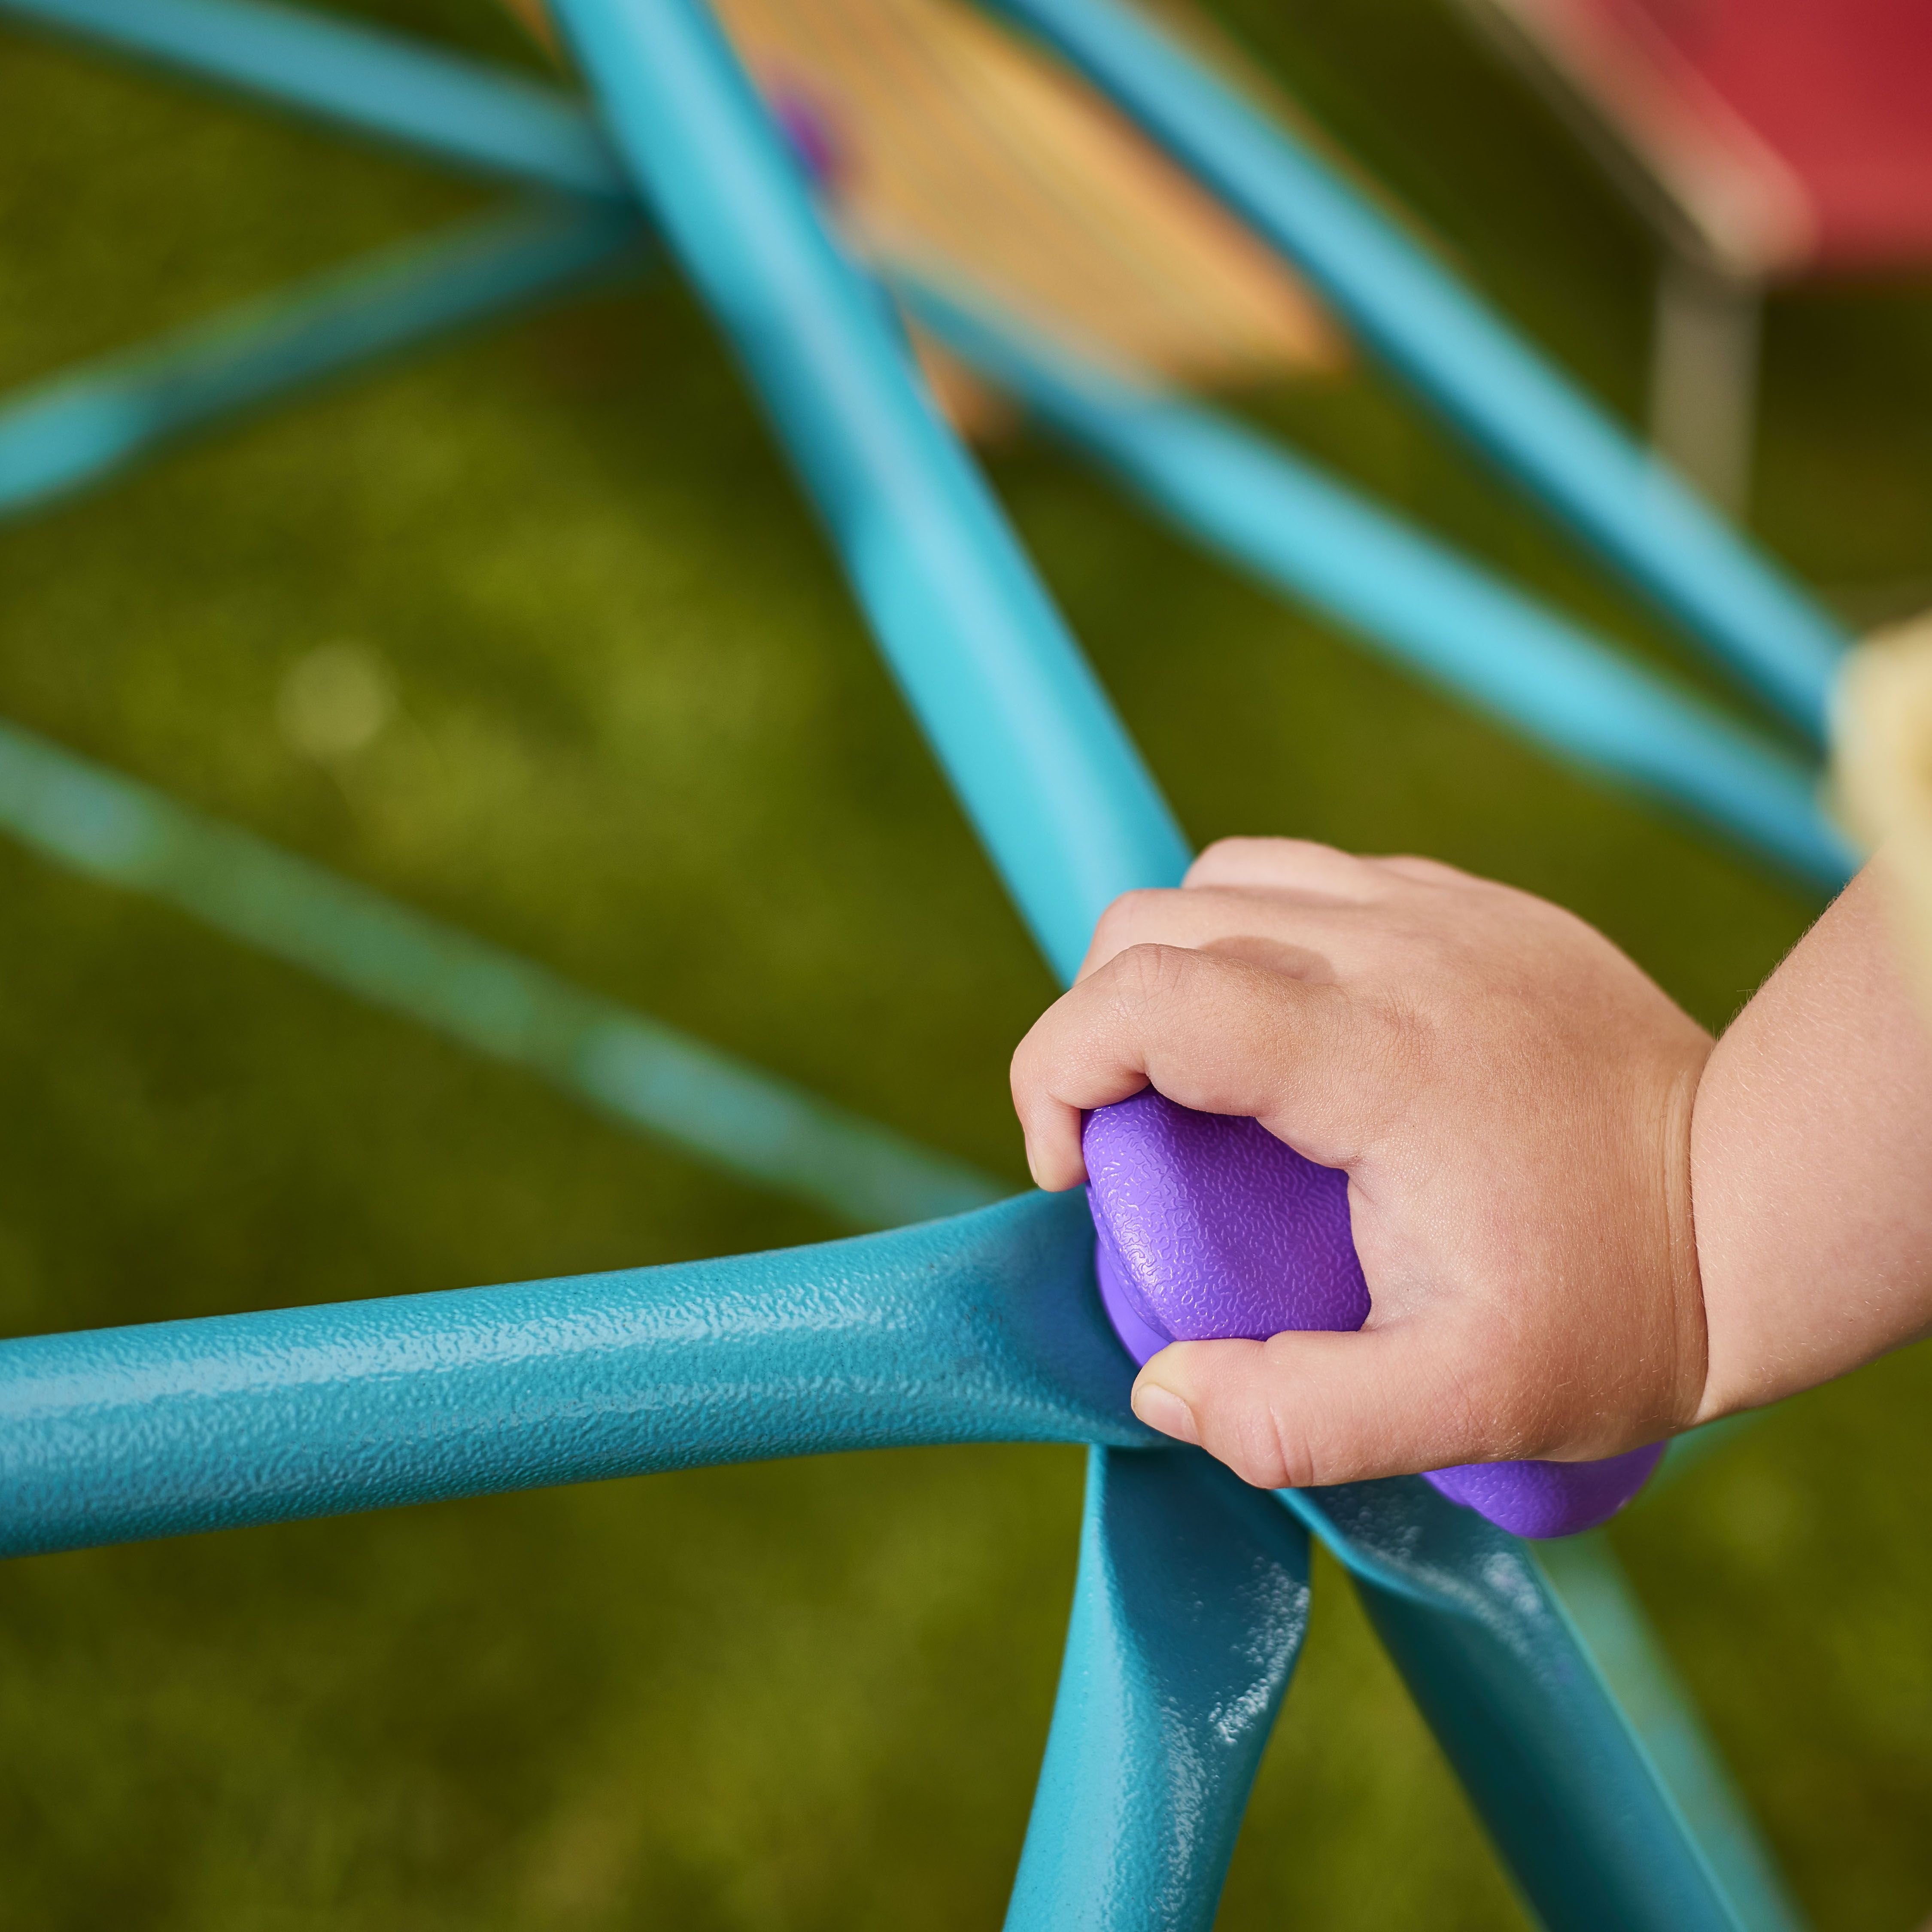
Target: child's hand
{"points": [[1512, 1099]]}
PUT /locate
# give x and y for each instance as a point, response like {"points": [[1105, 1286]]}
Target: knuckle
{"points": [[1149, 974], [1129, 914], [1214, 857]]}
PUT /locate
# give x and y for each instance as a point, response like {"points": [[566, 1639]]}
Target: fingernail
{"points": [[1161, 1408]]}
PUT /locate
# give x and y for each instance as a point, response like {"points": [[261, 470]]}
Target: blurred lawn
{"points": [[644, 739]]}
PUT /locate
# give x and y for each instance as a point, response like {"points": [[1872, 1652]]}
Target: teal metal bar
{"points": [[1585, 1573], [1470, 633], [1576, 1806], [1063, 805], [973, 638], [1460, 357], [87, 423], [1164, 1696], [474, 114], [983, 1329], [519, 1407], [636, 1071]]}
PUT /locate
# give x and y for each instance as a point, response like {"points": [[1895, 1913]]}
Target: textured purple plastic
{"points": [[1208, 1228], [1548, 1498]]}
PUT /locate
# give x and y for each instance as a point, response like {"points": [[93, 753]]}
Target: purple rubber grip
{"points": [[1207, 1228]]}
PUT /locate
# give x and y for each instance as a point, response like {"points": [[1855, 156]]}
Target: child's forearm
{"points": [[1811, 1165]]}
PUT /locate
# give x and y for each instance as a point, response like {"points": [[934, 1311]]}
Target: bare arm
{"points": [[1811, 1165]]}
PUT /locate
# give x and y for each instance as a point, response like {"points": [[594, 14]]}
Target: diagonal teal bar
{"points": [[1063, 806], [476, 115], [638, 1071], [1166, 1699], [983, 1329], [1590, 1830], [1460, 357], [62, 435], [1301, 531], [1056, 790], [1587, 1577]]}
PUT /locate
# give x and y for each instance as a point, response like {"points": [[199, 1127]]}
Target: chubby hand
{"points": [[1511, 1098]]}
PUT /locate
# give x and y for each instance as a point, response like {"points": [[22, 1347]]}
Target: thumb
{"points": [[1302, 1410]]}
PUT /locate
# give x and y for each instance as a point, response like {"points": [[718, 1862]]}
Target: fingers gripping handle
{"points": [[1208, 1228]]}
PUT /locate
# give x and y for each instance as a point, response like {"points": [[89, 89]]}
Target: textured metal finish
{"points": [[1576, 1808], [982, 1329], [1190, 1611], [1587, 1578], [62, 435], [1302, 531], [1460, 357], [1056, 790], [636, 1070], [473, 113]]}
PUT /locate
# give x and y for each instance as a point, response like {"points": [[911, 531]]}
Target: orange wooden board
{"points": [[958, 149]]}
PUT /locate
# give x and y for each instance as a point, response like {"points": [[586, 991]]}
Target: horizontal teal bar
{"points": [[638, 1071], [985, 1328], [87, 422]]}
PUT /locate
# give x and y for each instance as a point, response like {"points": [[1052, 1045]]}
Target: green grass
{"points": [[643, 738]]}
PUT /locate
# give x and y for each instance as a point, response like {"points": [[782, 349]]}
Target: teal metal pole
{"points": [[472, 113], [1119, 1836], [983, 1329], [1070, 818], [1591, 1833], [1058, 794], [1460, 357], [1301, 530], [60, 436], [636, 1071], [1590, 1581]]}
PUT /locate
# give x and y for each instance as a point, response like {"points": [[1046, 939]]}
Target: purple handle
{"points": [[1207, 1228]]}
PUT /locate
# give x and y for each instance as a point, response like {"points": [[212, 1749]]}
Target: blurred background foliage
{"points": [[638, 733]]}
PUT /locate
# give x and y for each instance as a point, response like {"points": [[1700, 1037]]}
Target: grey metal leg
{"points": [[1703, 378]]}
